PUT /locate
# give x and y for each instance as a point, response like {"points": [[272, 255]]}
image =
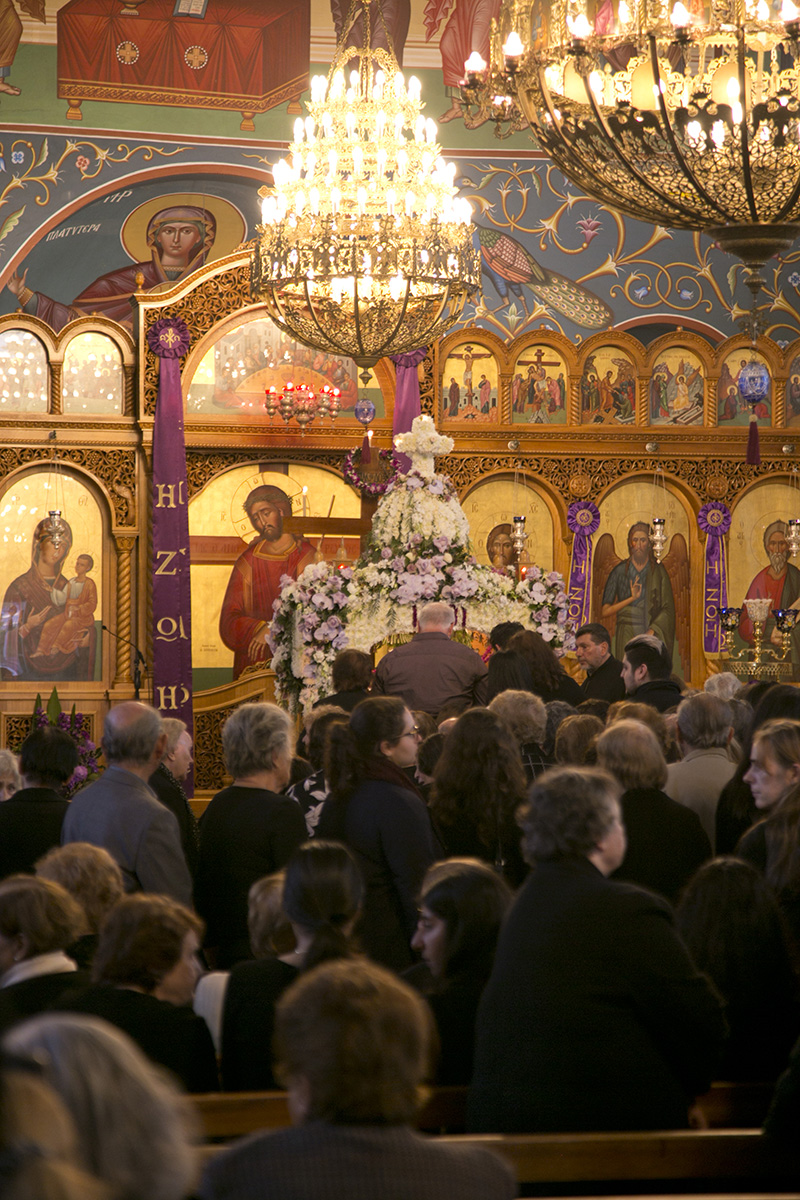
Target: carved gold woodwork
{"points": [[201, 467], [209, 765], [202, 308], [579, 477], [428, 385], [114, 468], [56, 385], [16, 727], [125, 546]]}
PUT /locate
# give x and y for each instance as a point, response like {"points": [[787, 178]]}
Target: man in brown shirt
{"points": [[432, 669]]}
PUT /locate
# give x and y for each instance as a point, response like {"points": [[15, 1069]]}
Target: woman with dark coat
{"points": [[462, 906], [732, 925], [773, 845], [249, 829], [594, 1017], [666, 841], [550, 680], [144, 975], [39, 920], [322, 896], [376, 810], [30, 822], [736, 810], [478, 784]]}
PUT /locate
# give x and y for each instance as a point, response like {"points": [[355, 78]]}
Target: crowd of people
{"points": [[578, 898]]}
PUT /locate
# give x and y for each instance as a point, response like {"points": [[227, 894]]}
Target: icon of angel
{"points": [[636, 594]]}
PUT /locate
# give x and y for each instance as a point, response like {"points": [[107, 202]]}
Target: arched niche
{"points": [[220, 531], [496, 499], [768, 500], [56, 589], [666, 588], [227, 372]]}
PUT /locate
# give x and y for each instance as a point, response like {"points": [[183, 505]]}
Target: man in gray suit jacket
{"points": [[121, 813]]}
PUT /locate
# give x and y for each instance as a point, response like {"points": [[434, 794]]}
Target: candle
{"points": [[366, 448], [305, 501]]}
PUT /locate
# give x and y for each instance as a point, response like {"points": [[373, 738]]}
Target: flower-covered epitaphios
{"points": [[307, 630], [418, 551], [545, 596]]}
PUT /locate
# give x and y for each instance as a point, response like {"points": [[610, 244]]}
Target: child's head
{"points": [[83, 563]]}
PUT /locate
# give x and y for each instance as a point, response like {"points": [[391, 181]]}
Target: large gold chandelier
{"points": [[365, 248], [688, 118]]}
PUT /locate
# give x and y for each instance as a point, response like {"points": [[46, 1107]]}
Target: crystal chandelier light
{"points": [[365, 249], [687, 118]]}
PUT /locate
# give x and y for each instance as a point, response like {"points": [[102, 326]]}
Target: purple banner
{"points": [[172, 597], [406, 396], [714, 520], [583, 518]]}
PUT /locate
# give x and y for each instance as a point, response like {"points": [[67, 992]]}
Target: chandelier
{"points": [[365, 248], [302, 403], [687, 118]]}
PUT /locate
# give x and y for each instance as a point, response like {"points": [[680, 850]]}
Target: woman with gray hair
{"points": [[592, 994], [10, 780], [135, 1129], [525, 717], [666, 841], [167, 783], [248, 830]]}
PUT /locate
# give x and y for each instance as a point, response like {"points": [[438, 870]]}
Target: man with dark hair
{"points": [[603, 672], [500, 634], [121, 813], [31, 820], [255, 579], [646, 670], [352, 1047]]}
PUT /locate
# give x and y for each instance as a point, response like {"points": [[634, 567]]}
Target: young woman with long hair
{"points": [[322, 895], [462, 906], [478, 784], [375, 808]]}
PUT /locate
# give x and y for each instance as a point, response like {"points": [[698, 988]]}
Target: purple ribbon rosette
{"points": [[714, 520], [583, 518]]}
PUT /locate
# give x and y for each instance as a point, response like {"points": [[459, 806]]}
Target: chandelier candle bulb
{"points": [[580, 28], [513, 47], [474, 65]]}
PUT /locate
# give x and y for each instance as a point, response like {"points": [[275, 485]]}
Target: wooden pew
{"points": [[734, 1105], [703, 1162], [229, 1115]]}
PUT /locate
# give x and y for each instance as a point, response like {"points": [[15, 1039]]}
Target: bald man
{"points": [[431, 670], [121, 812]]}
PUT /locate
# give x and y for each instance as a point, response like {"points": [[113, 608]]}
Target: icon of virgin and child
{"points": [[47, 626]]}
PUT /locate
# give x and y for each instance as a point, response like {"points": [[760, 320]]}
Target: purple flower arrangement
{"points": [[76, 724]]}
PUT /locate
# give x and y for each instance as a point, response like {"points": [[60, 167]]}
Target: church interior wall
{"points": [[570, 292]]}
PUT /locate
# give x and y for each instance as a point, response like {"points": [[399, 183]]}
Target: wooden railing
{"points": [[232, 1114]]}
